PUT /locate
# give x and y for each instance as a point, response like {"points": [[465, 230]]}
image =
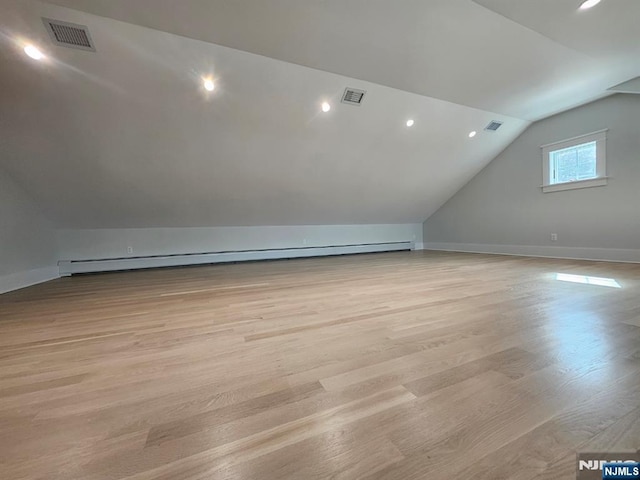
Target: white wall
{"points": [[113, 243], [27, 241], [503, 210]]}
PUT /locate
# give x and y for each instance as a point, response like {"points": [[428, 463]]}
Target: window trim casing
{"points": [[600, 137]]}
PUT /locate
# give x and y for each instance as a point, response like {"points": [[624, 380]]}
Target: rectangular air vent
{"points": [[353, 96], [493, 126], [69, 34]]}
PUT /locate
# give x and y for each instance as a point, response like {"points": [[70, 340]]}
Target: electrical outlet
{"points": [[129, 249], [554, 237]]}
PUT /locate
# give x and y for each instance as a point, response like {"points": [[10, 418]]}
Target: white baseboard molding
{"points": [[418, 246], [574, 253], [26, 278], [69, 267]]}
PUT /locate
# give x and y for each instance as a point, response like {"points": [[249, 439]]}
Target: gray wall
{"points": [[27, 241], [113, 243], [504, 205]]}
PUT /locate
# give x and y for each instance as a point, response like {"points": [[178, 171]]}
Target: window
{"points": [[579, 162]]}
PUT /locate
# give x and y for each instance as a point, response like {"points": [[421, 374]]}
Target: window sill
{"points": [[592, 182]]}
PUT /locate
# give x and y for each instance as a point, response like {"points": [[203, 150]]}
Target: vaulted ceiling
{"points": [[127, 136]]}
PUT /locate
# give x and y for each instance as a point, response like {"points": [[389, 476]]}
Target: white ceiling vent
{"points": [[353, 96], [493, 126], [69, 34]]}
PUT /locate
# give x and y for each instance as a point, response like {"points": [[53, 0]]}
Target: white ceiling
{"points": [[523, 58], [630, 86], [127, 136]]}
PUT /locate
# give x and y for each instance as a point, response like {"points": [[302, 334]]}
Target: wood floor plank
{"points": [[398, 366]]}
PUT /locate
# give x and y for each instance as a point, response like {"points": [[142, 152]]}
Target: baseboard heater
{"points": [[69, 267]]}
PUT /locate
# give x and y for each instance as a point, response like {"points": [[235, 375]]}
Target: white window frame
{"points": [[600, 137]]}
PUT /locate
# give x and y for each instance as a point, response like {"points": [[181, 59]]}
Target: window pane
{"points": [[573, 163]]}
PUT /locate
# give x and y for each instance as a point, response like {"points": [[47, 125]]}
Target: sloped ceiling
{"points": [[127, 136], [630, 86], [523, 58]]}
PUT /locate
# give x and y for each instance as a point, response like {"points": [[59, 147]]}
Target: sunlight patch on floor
{"points": [[602, 282]]}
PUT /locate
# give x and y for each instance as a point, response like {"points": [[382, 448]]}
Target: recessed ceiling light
{"points": [[588, 4], [410, 123], [209, 85], [326, 107], [33, 52], [472, 134]]}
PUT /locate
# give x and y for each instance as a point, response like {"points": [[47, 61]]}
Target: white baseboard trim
{"points": [[418, 246], [69, 267], [574, 253], [26, 278]]}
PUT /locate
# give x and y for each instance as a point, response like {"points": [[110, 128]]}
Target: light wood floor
{"points": [[391, 366]]}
